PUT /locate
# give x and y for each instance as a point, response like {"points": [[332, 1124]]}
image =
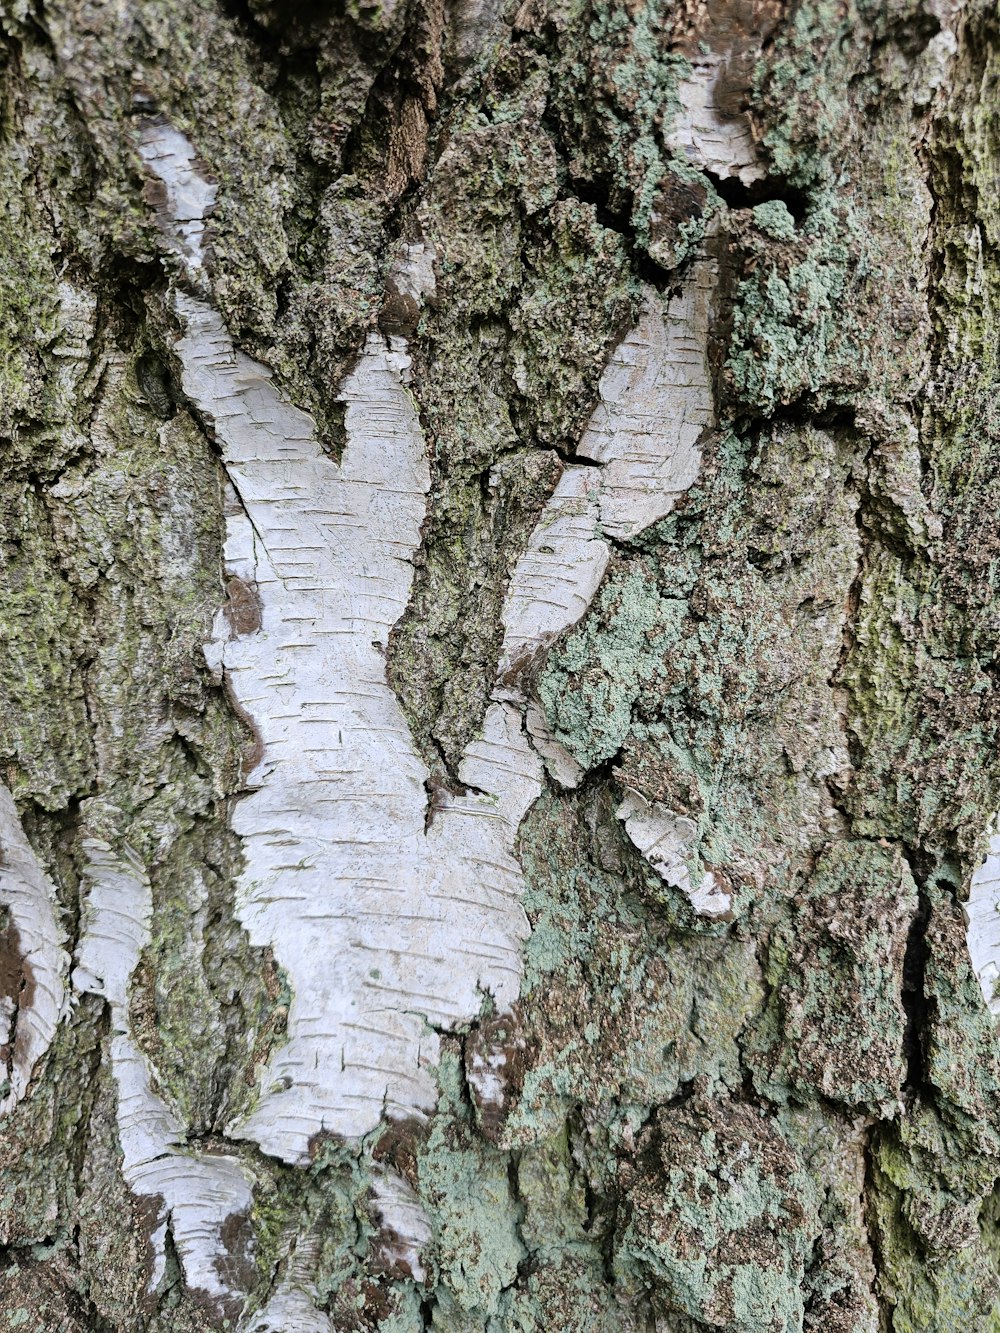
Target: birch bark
{"points": [[498, 585]]}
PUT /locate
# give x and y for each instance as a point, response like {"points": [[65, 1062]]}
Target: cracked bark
{"points": [[499, 717]]}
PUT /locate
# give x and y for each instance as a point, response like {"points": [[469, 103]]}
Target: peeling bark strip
{"points": [[187, 196], [664, 838], [655, 402], [715, 139], [31, 1001], [713, 129], [405, 1226], [556, 578], [388, 929], [197, 1192]]}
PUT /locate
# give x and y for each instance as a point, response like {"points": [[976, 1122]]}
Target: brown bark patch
{"points": [[496, 1058], [398, 1146], [236, 1267], [17, 985], [243, 607]]}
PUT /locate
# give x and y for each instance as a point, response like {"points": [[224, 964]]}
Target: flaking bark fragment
{"points": [[35, 960]]}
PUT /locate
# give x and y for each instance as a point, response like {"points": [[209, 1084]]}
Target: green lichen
{"points": [[789, 332], [29, 307], [834, 1020], [668, 1012], [804, 85], [694, 669], [596, 675], [721, 1232], [616, 101], [936, 1273], [465, 1187], [774, 218]]}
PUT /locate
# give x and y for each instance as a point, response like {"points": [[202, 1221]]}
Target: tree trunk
{"points": [[501, 674]]}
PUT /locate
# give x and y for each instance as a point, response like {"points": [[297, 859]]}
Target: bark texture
{"points": [[499, 707]]}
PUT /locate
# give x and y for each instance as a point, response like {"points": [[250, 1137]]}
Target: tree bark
{"points": [[501, 673]]}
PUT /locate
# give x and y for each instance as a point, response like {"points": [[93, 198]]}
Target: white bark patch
{"points": [[982, 915], [199, 1191], [29, 1014], [655, 401], [405, 1226], [713, 141], [385, 930], [559, 763], [292, 1307], [333, 829], [665, 838], [556, 578], [413, 271], [189, 197]]}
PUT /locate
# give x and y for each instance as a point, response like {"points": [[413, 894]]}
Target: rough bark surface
{"points": [[500, 697]]}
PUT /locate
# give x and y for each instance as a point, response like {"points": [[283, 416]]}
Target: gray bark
{"points": [[499, 790]]}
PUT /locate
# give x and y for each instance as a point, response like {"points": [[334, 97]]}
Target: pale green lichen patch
{"points": [[935, 1270], [616, 102], [834, 1020], [803, 87], [670, 1011], [721, 1231], [465, 1186], [773, 218], [594, 679], [789, 335], [566, 1287]]}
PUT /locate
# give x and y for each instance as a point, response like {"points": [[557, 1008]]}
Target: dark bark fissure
{"points": [[915, 1002]]}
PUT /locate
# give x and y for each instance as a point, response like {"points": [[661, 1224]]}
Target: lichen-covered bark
{"points": [[499, 705]]}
